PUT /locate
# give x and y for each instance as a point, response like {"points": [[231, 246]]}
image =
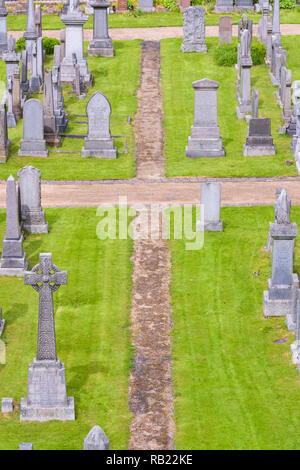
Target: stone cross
{"points": [[46, 278]]}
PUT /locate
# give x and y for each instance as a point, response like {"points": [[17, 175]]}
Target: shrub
{"points": [[258, 52], [286, 4], [20, 44], [49, 43], [170, 5], [225, 55]]}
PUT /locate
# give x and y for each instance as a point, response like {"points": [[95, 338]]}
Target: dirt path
{"points": [[148, 129], [156, 34], [151, 385]]}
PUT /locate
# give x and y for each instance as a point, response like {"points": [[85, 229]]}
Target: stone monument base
{"points": [[259, 150], [147, 9], [67, 71], [35, 222], [242, 110], [223, 9], [283, 302], [193, 47], [103, 47], [33, 148], [47, 398], [209, 226], [35, 84], [11, 120], [13, 265], [99, 148], [274, 80], [205, 142], [62, 120]]}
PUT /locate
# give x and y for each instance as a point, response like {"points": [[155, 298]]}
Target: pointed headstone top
{"points": [[96, 439], [206, 83], [283, 208]]}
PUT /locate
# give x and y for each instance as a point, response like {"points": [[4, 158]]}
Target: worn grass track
{"points": [[92, 328], [234, 388]]}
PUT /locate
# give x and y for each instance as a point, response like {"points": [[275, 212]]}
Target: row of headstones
{"points": [[283, 295], [226, 6]]}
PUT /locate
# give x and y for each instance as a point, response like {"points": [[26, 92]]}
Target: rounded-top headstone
{"points": [[98, 111]]}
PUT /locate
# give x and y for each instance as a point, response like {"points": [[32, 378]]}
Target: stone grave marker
{"points": [[33, 143], [225, 30], [96, 440], [211, 201], [259, 140], [194, 30]]}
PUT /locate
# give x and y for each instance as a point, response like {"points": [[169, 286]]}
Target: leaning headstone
{"points": [[223, 6], [50, 130], [211, 203], [2, 322], [99, 143], [13, 261], [259, 140], [38, 20], [4, 142], [194, 30], [26, 446], [7, 405], [96, 440], [32, 215], [280, 298], [47, 395], [3, 27], [146, 6], [225, 30], [255, 103], [11, 58], [74, 21], [30, 34], [33, 143], [205, 139], [11, 118], [244, 93], [101, 43]]}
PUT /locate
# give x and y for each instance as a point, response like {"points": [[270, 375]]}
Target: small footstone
{"points": [[26, 446], [7, 405]]}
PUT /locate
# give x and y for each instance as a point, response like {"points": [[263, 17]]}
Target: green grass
{"points": [[121, 93], [93, 340], [149, 20], [178, 72], [234, 387]]}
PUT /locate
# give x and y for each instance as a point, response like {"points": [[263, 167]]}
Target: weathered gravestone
{"points": [[3, 27], [30, 34], [35, 81], [101, 43], [33, 143], [7, 405], [40, 59], [276, 22], [47, 395], [205, 139], [259, 140], [74, 21], [58, 100], [268, 56], [96, 440], [11, 58], [17, 110], [11, 118], [291, 130], [13, 261], [62, 38], [263, 24], [243, 24], [38, 20], [225, 30], [26, 446], [280, 298], [268, 245], [244, 93], [24, 80], [32, 215], [244, 5], [4, 141], [50, 130], [211, 202], [146, 6], [255, 103], [295, 347], [99, 142], [286, 94], [2, 322], [223, 6], [194, 30]]}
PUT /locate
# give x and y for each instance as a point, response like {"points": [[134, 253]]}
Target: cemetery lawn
{"points": [[118, 79], [92, 333], [234, 387], [149, 20], [178, 71]]}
